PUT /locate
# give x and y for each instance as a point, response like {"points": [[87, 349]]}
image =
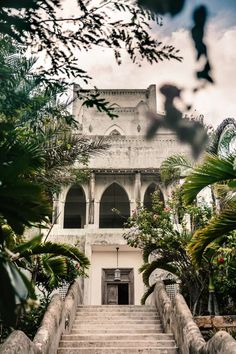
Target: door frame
{"points": [[127, 276]]}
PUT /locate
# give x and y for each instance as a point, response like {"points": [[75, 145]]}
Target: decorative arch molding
{"points": [[147, 200], [142, 106], [75, 208], [114, 207], [116, 129], [99, 196]]}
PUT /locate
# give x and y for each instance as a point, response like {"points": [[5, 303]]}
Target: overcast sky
{"points": [[216, 102]]}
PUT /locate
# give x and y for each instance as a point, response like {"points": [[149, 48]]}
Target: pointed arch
{"points": [[147, 200], [142, 107], [75, 208], [114, 197], [114, 128]]}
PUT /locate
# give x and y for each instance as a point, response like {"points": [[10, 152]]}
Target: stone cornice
{"points": [[121, 171]]}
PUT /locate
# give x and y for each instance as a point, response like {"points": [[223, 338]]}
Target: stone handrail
{"points": [[58, 319], [177, 319]]}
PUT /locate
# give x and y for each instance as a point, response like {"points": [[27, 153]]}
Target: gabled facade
{"points": [[121, 178]]}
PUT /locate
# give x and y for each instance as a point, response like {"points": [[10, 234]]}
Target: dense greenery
{"points": [[37, 153], [164, 233]]}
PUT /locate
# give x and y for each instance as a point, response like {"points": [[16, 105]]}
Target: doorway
{"points": [[118, 292]]}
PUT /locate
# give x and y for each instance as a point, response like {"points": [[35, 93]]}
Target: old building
{"points": [[121, 178]]}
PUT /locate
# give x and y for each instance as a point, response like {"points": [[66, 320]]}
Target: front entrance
{"points": [[118, 292]]}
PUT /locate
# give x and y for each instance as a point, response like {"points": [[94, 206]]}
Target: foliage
{"points": [[28, 321], [191, 132], [164, 239], [187, 131], [53, 272], [36, 142], [214, 170], [175, 167], [47, 262], [225, 277], [42, 26], [22, 201], [31, 103]]}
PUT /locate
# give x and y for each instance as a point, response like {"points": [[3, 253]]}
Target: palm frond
{"points": [[174, 168], [220, 225], [148, 250], [161, 263], [148, 292], [59, 249], [53, 268], [213, 170]]}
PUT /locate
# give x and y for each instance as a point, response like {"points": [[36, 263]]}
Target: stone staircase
{"points": [[117, 329]]}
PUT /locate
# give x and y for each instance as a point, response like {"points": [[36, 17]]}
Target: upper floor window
{"points": [[114, 207], [75, 208], [147, 202]]}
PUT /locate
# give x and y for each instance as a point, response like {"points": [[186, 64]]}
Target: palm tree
{"points": [[213, 170], [216, 170], [42, 258], [23, 202], [174, 168]]}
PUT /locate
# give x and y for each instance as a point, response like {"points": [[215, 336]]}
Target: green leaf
{"points": [[220, 225], [213, 170], [163, 263]]}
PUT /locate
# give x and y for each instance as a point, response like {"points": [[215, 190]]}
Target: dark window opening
{"points": [[75, 209], [147, 202], [114, 207]]}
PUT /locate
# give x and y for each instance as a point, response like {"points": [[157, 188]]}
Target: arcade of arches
{"points": [[114, 207]]}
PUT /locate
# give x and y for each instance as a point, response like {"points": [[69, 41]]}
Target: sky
{"points": [[216, 102]]}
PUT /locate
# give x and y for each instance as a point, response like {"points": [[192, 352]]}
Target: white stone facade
{"points": [[120, 175]]}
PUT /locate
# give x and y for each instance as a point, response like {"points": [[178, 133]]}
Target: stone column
{"points": [[55, 213], [137, 189], [91, 198]]}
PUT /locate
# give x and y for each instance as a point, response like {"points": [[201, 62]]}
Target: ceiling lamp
{"points": [[117, 270]]}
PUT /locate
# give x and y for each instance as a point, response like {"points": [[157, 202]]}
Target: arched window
{"points": [[114, 207], [147, 202], [75, 209]]}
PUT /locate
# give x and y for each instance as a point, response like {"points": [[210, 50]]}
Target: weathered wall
{"points": [[130, 106], [177, 319], [127, 152], [58, 319], [105, 257]]}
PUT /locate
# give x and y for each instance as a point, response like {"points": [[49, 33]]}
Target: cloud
{"points": [[215, 102]]}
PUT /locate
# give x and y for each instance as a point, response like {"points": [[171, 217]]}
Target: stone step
{"points": [[117, 344], [116, 306], [116, 309], [114, 327], [115, 331], [88, 337], [117, 322], [109, 350], [118, 315]]}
